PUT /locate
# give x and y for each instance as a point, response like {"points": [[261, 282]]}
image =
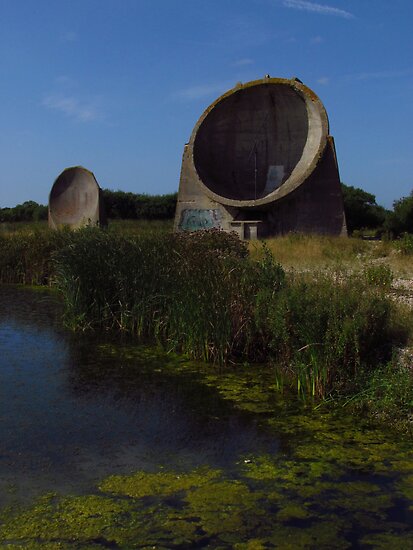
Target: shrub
{"points": [[26, 212], [124, 205], [405, 244], [386, 394], [212, 240], [379, 275], [361, 209], [322, 330], [401, 219]]}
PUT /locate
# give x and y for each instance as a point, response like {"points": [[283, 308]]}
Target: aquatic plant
{"points": [[203, 295], [330, 480], [304, 500], [179, 290]]}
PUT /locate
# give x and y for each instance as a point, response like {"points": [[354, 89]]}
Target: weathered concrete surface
{"points": [[260, 160], [75, 200]]}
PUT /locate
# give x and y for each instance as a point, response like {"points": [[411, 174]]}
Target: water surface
{"points": [[71, 414], [134, 447]]}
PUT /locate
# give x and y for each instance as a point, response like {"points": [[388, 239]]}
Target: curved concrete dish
{"points": [[75, 200], [279, 123], [258, 146]]}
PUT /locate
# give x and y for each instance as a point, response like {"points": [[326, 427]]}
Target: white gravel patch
{"points": [[402, 291]]}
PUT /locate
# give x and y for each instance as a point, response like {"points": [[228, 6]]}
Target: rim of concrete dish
{"points": [[69, 169], [318, 130]]}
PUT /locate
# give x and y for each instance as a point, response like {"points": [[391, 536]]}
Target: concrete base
{"points": [[316, 206], [246, 229]]}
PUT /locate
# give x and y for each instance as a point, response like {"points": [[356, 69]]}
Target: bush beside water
{"points": [[202, 295]]}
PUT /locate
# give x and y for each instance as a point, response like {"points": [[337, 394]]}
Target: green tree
{"points": [[362, 211], [120, 204], [26, 212], [401, 219]]}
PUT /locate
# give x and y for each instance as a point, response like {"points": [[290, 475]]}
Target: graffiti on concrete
{"points": [[195, 219]]}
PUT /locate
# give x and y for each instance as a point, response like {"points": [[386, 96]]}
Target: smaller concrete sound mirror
{"points": [[75, 200], [261, 162]]}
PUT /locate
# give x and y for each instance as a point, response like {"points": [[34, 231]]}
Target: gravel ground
{"points": [[402, 291]]}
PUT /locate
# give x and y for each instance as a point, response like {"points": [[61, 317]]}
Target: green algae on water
{"points": [[143, 484], [227, 509], [262, 508], [211, 507], [333, 483]]}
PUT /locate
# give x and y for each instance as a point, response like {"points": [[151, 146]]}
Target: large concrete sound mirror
{"points": [[75, 200], [261, 162]]}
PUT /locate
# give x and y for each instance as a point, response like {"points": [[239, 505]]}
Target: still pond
{"points": [[106, 444]]}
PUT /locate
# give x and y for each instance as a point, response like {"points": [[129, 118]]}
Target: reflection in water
{"points": [[68, 418], [155, 450]]}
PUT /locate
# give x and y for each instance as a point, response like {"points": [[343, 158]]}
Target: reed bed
{"points": [[201, 294], [205, 295], [26, 249], [26, 256], [179, 290]]}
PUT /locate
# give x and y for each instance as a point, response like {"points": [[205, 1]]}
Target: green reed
{"points": [[181, 291], [26, 256], [324, 328], [203, 295]]}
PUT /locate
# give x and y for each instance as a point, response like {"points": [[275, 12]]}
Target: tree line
{"points": [[118, 205], [132, 206], [29, 211], [361, 208], [363, 212]]}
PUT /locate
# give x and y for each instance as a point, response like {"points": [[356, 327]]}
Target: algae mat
{"points": [[226, 462]]}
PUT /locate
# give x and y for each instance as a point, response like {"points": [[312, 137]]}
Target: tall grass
{"points": [[26, 256], [316, 252], [324, 328], [180, 290], [299, 250], [204, 295], [26, 249], [17, 228]]}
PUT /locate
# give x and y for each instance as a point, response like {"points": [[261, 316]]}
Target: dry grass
{"points": [[294, 252], [15, 228], [124, 227], [309, 252], [140, 227]]}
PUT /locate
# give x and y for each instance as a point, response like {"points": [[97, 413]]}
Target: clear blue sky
{"points": [[117, 85]]}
